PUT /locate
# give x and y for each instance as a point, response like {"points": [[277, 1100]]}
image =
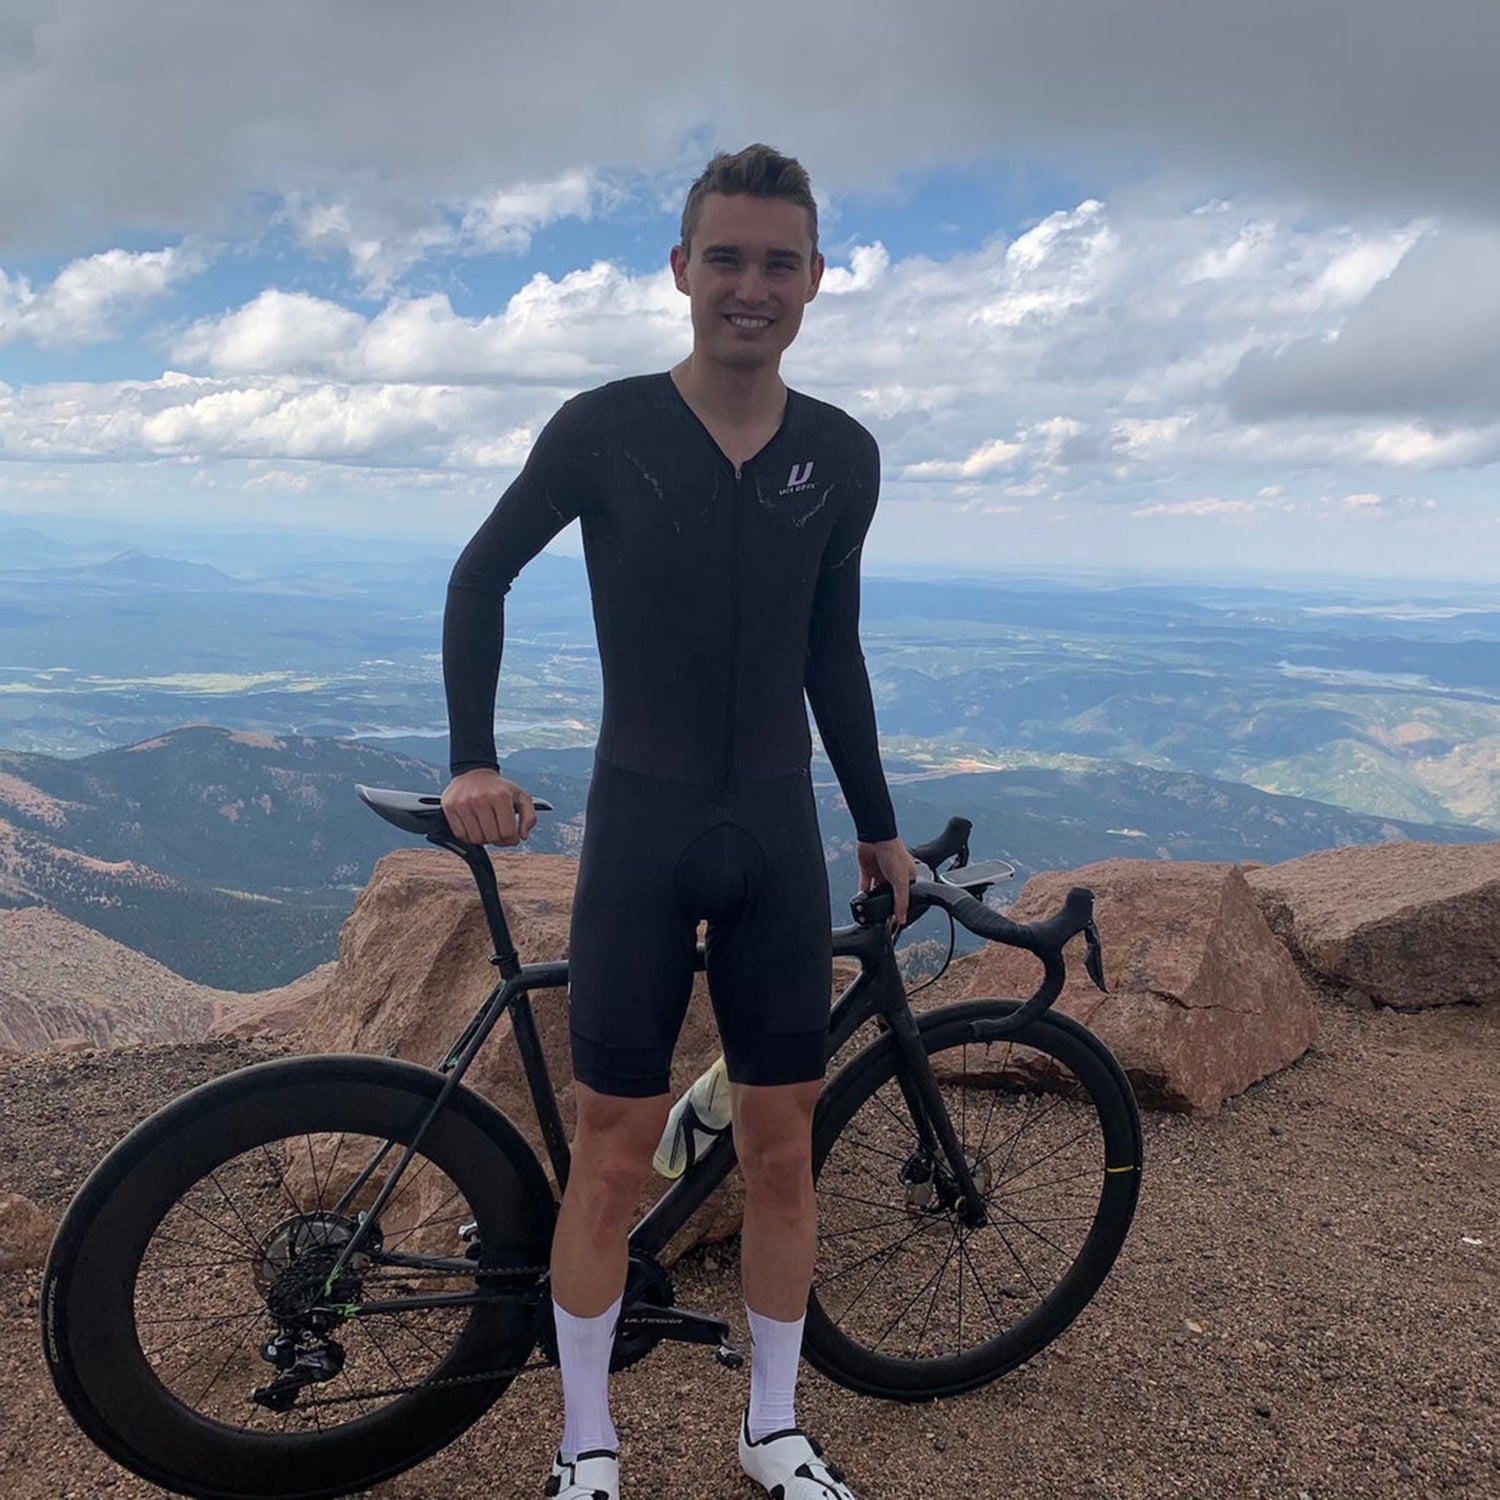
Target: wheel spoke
{"points": [[943, 1294]]}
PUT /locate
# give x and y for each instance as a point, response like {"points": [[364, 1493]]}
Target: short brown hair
{"points": [[759, 172]]}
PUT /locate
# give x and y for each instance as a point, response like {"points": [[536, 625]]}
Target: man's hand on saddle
{"points": [[482, 807], [888, 863]]}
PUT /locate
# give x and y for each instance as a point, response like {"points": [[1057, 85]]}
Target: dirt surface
{"points": [[1308, 1305]]}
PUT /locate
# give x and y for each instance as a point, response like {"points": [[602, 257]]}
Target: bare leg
{"points": [[773, 1136], [611, 1156], [773, 1139], [611, 1153]]}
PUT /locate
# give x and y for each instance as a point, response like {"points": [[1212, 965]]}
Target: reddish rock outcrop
{"points": [[65, 986], [1203, 998], [62, 984], [272, 1012], [1403, 924], [413, 967], [25, 1233]]}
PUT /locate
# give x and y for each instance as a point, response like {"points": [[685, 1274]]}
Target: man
{"points": [[723, 517]]}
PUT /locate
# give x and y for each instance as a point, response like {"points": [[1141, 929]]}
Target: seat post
{"points": [[476, 856]]}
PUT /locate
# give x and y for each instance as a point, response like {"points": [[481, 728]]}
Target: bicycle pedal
{"points": [[729, 1357]]}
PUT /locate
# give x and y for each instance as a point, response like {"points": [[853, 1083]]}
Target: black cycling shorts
{"points": [[658, 857]]}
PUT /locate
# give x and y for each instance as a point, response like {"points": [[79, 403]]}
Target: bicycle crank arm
{"points": [[677, 1324]]}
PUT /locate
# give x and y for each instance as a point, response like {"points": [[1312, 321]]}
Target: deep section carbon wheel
{"points": [[197, 1318], [912, 1298]]}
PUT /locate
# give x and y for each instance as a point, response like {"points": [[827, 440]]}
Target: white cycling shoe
{"points": [[594, 1475], [789, 1465]]}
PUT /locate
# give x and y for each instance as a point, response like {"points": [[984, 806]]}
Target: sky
{"points": [[1155, 285]]}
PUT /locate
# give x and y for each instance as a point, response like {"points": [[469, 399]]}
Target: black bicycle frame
{"points": [[876, 991]]}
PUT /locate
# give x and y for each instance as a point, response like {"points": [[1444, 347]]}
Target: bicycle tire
{"points": [[1053, 1136], [160, 1252]]}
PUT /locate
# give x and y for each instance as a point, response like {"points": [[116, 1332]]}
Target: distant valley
{"points": [[233, 857], [182, 732]]}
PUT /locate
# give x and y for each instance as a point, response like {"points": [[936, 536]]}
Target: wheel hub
{"points": [[932, 1191]]}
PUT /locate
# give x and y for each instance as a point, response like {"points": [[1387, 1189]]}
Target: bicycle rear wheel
{"points": [[192, 1271], [909, 1300]]}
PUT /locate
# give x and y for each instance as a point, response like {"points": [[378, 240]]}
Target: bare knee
{"points": [[612, 1155], [778, 1171], [606, 1188], [773, 1139]]}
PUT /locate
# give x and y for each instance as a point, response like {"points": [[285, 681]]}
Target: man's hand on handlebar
{"points": [[482, 807], [888, 862]]}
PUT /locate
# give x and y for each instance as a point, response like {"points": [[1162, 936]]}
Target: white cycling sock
{"points": [[583, 1349], [775, 1349]]}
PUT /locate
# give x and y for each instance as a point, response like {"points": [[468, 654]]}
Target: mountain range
{"points": [[233, 856]]}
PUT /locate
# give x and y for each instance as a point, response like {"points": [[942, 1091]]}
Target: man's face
{"points": [[749, 273]]}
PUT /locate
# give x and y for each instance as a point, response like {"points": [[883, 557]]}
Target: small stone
{"points": [[25, 1233]]}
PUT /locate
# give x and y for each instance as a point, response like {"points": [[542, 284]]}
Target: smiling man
{"points": [[723, 517]]}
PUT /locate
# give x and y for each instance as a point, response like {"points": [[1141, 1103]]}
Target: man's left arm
{"points": [[838, 687]]}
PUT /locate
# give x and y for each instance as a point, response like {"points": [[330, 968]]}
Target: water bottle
{"points": [[697, 1120]]}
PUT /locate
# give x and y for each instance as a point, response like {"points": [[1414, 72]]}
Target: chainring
{"points": [[646, 1281]]}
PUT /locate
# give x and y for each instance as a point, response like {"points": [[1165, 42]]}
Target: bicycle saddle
{"points": [[416, 812]]}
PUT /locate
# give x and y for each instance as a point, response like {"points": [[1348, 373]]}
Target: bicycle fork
{"points": [[930, 1117]]}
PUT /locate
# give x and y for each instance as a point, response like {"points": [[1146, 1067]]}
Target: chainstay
{"points": [[479, 1378]]}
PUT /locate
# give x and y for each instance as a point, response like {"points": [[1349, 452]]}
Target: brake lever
{"points": [[871, 908], [1094, 958]]}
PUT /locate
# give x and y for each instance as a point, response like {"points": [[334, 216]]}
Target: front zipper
{"points": [[731, 700]]}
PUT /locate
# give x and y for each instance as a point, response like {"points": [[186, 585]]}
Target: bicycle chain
{"points": [[479, 1273], [429, 1385]]}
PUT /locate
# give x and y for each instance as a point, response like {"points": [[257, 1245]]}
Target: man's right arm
{"points": [[556, 486]]}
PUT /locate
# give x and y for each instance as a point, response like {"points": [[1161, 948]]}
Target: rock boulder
{"points": [[25, 1233], [1203, 998], [65, 987], [1404, 924], [272, 1012], [413, 967]]}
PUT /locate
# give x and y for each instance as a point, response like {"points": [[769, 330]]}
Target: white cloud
{"points": [[507, 451], [583, 327], [989, 458], [1088, 364], [1350, 103], [867, 264], [279, 332], [89, 299], [280, 479], [275, 418], [384, 233], [1206, 506], [1422, 342], [506, 219]]}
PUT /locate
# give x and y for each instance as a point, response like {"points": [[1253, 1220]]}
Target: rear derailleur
{"points": [[301, 1363]]}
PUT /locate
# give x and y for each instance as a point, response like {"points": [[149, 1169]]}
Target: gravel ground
{"points": [[1307, 1306]]}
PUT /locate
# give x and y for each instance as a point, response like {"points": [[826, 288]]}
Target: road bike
{"points": [[308, 1275]]}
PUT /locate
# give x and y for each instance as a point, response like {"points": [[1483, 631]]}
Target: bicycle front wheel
{"points": [[911, 1299], [193, 1323]]}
